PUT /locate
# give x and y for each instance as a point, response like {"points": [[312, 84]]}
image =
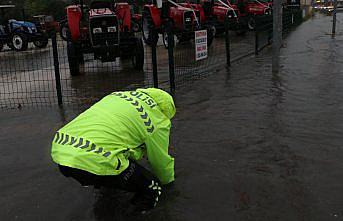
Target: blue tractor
{"points": [[18, 34]]}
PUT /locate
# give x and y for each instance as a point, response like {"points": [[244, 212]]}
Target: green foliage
{"points": [[30, 8]]}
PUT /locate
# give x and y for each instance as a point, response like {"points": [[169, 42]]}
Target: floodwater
{"points": [[248, 145]]}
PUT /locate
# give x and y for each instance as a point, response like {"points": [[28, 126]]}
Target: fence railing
{"points": [[46, 76]]}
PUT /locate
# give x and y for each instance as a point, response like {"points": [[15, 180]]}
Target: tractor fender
{"points": [[74, 15], [155, 14], [124, 13]]}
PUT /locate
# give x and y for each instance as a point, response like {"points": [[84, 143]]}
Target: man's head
{"points": [[163, 100]]}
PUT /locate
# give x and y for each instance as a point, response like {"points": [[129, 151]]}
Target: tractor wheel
{"points": [[165, 40], [64, 31], [19, 42], [213, 29], [41, 43], [240, 32], [1, 46], [75, 58], [149, 36], [210, 37], [138, 57], [252, 23]]}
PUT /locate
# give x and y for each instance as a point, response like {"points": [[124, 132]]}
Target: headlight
{"points": [[188, 19], [97, 30], [28, 29], [230, 16], [112, 29]]}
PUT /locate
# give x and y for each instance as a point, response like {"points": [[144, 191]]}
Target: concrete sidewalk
{"points": [[248, 145]]}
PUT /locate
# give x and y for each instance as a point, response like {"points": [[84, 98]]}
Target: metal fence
{"points": [[42, 76]]}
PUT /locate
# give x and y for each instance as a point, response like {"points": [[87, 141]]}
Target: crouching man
{"points": [[100, 147]]}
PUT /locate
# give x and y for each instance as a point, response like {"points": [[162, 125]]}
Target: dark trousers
{"points": [[134, 179]]}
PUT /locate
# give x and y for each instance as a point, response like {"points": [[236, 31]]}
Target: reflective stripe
{"points": [[99, 150], [144, 116], [92, 148], [73, 140], [141, 109], [118, 164], [57, 136], [152, 184], [66, 139], [107, 154], [80, 143], [150, 130], [86, 145], [62, 136], [148, 123]]}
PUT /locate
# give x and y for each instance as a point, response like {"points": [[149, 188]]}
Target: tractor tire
{"points": [[41, 43], [165, 40], [183, 38], [138, 57], [1, 46], [214, 30], [19, 42], [149, 36], [75, 58], [240, 32], [10, 45], [210, 37], [64, 31], [251, 23]]}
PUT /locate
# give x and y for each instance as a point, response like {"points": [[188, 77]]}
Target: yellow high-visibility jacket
{"points": [[122, 126]]}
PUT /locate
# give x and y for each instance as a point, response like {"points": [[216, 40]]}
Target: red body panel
{"points": [[74, 16], [196, 7], [256, 8], [175, 13], [123, 13], [155, 14]]}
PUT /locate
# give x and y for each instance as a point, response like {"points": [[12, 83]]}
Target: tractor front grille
{"points": [[189, 21], [99, 30], [232, 14]]}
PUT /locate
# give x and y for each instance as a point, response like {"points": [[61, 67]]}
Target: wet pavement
{"points": [[28, 77], [248, 145]]}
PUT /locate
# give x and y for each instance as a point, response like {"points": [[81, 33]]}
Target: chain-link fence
{"points": [[26, 74], [73, 72], [87, 75]]}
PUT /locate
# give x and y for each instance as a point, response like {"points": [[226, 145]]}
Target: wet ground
{"points": [[248, 145], [28, 77]]}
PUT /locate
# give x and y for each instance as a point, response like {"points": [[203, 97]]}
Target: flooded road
{"points": [[248, 145]]}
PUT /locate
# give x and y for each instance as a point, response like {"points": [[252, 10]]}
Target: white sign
{"points": [[200, 45]]}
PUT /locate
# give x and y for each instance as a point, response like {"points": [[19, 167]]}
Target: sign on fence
{"points": [[200, 45]]}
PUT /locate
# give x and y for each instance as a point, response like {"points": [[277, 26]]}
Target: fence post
{"points": [[256, 41], [154, 58], [171, 59], [334, 19], [57, 69], [227, 42]]}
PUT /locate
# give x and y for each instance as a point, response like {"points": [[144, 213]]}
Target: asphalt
{"points": [[248, 145]]}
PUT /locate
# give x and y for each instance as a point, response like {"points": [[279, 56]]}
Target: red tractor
{"points": [[106, 29], [215, 14], [180, 20], [251, 9]]}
